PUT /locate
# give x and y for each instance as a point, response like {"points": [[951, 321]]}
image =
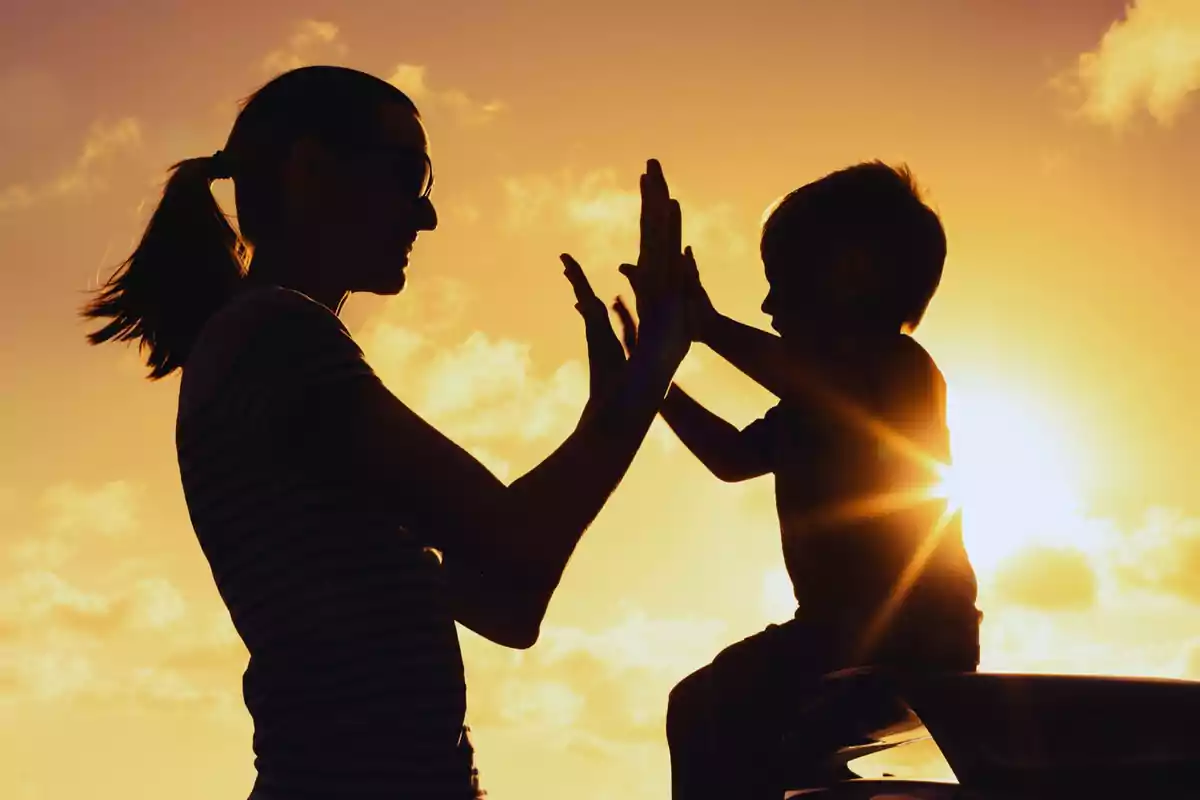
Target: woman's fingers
{"points": [[586, 301], [652, 244], [657, 180], [577, 278], [674, 226]]}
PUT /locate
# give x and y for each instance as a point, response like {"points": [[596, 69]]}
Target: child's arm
{"points": [[728, 453], [760, 355]]}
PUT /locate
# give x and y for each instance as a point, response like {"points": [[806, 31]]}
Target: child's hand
{"points": [[700, 307], [629, 329]]}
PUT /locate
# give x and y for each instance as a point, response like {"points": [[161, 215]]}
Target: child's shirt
{"points": [[854, 509]]}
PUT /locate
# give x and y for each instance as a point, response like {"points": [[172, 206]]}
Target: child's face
{"points": [[800, 299], [817, 289]]}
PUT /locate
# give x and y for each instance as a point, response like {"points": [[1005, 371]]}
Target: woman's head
{"points": [[331, 177]]}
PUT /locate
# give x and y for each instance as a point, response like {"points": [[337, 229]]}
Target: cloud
{"points": [[66, 643], [595, 216], [1163, 556], [41, 600], [1047, 578], [499, 467], [104, 144], [487, 393], [599, 211], [72, 516], [46, 675], [311, 40], [1150, 59], [479, 389], [152, 604], [488, 388], [63, 676], [37, 603], [1192, 664], [207, 645], [411, 79], [595, 689], [108, 510]]}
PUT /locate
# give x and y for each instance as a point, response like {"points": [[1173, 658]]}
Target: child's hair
{"points": [[878, 209]]}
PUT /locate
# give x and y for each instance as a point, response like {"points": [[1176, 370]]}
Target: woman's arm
{"points": [[505, 548]]}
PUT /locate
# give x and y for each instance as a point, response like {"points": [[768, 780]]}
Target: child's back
{"points": [[861, 534]]}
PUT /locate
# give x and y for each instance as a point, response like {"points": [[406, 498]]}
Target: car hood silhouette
{"points": [[1012, 736]]}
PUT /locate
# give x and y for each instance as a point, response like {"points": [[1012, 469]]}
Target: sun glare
{"points": [[1013, 477]]}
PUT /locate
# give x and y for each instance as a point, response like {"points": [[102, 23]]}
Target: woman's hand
{"points": [[659, 279], [606, 359]]}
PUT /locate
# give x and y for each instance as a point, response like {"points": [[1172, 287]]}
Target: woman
{"points": [[345, 534]]}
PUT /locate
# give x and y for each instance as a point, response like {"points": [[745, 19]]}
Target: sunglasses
{"points": [[407, 168]]}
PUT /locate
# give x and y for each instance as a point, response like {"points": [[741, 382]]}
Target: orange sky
{"points": [[1058, 146]]}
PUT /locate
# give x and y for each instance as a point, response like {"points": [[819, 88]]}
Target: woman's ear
{"points": [[306, 177]]}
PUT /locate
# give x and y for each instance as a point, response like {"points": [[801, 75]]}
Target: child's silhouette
{"points": [[877, 562]]}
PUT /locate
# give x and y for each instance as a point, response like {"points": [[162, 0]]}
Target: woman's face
{"points": [[377, 200]]}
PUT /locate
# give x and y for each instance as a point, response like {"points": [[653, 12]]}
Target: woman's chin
{"points": [[396, 284]]}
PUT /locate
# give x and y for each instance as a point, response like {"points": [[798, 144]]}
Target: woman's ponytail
{"points": [[188, 264]]}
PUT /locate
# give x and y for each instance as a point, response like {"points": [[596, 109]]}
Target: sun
{"points": [[1016, 478], [1015, 475]]}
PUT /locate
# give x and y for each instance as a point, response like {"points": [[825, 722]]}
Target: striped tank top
{"points": [[355, 680]]}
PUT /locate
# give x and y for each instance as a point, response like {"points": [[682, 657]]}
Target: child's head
{"points": [[855, 251]]}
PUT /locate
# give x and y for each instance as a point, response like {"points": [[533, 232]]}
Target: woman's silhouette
{"points": [[344, 533]]}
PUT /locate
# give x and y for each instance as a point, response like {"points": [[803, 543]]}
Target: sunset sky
{"points": [[1059, 141]]}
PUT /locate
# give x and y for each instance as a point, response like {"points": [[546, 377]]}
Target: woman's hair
{"points": [[190, 260]]}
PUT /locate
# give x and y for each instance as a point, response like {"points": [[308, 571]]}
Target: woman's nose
{"points": [[427, 218]]}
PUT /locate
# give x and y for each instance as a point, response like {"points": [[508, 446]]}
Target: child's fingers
{"points": [[691, 271], [623, 313], [628, 325]]}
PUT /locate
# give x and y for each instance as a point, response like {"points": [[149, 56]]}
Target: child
{"points": [[876, 560]]}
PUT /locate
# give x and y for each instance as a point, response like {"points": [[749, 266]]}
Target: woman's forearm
{"points": [[557, 500]]}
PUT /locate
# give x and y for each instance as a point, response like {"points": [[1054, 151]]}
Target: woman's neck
{"points": [[272, 268]]}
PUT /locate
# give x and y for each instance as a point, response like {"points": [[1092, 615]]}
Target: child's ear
{"points": [[854, 275]]}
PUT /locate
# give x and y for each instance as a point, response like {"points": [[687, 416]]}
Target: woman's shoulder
{"points": [[257, 307], [274, 312], [261, 330]]}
